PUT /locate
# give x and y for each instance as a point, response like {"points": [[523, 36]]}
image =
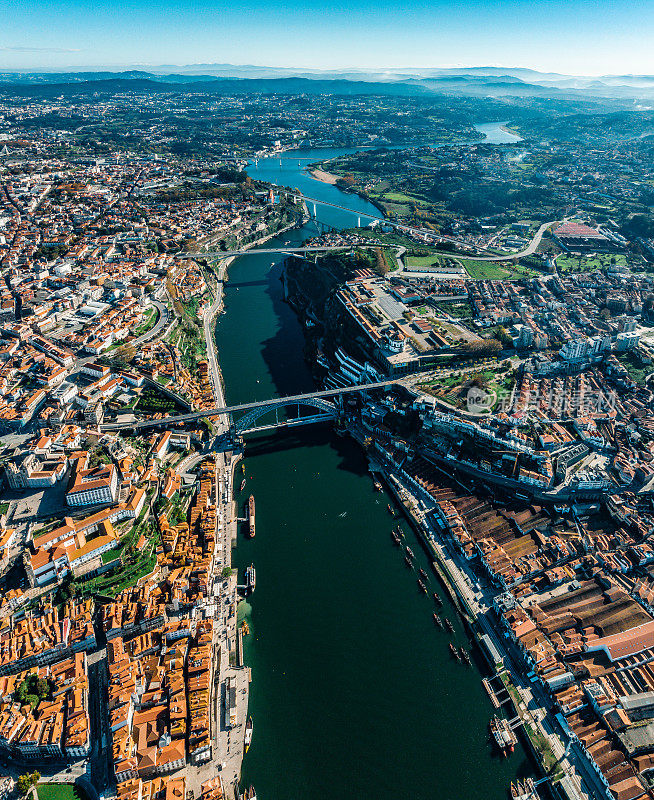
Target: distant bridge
{"points": [[436, 237], [365, 215], [258, 251], [255, 410]]}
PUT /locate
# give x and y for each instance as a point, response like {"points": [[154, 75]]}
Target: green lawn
{"points": [[636, 369], [572, 263], [400, 197], [460, 309], [486, 270], [59, 791], [149, 321], [476, 269], [420, 262]]}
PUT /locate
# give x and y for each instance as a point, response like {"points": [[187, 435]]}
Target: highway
{"points": [[275, 401], [161, 322], [526, 251]]}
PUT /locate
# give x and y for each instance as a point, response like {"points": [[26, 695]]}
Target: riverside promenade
{"points": [[228, 742], [578, 780]]}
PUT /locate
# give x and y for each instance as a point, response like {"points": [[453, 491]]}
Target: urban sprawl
{"points": [[504, 296]]}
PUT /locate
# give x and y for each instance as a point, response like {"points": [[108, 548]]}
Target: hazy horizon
{"points": [[196, 67], [573, 38]]}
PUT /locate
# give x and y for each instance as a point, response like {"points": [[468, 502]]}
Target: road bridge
{"points": [[255, 410], [259, 251], [437, 237]]}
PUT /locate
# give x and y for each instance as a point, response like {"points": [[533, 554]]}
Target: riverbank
{"points": [[325, 177], [473, 599], [510, 131], [341, 636], [217, 307]]}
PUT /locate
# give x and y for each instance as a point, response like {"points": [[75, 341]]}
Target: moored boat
{"points": [[395, 537], [391, 510], [448, 625], [409, 552], [437, 620], [524, 790], [250, 579], [454, 652], [422, 586], [249, 730], [407, 561], [437, 599], [504, 737], [242, 484], [251, 516], [423, 574], [465, 655]]}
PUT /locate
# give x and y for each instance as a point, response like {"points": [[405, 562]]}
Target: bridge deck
{"points": [[272, 403]]}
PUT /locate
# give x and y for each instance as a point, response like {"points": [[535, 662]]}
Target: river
{"points": [[354, 693], [496, 133]]}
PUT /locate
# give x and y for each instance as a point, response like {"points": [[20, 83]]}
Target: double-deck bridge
{"points": [[250, 421]]}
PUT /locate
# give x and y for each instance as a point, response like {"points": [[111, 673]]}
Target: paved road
{"points": [[211, 412], [161, 323], [574, 761], [531, 247]]}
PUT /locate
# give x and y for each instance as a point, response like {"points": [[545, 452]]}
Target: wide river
{"points": [[354, 693]]}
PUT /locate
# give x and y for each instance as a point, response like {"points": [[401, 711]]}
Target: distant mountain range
{"points": [[222, 78]]}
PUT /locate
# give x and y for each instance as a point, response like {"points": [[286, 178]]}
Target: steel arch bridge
{"points": [[248, 423]]}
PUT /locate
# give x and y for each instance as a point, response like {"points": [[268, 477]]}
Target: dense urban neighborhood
{"points": [[479, 321]]}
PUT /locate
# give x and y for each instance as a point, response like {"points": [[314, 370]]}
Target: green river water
{"points": [[354, 692]]}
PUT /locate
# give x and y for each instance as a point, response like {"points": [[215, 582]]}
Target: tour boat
{"points": [[504, 737], [251, 516], [250, 579]]}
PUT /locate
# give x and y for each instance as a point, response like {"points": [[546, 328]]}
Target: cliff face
{"points": [[311, 290]]}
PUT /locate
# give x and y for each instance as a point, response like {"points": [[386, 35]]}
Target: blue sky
{"points": [[570, 36]]}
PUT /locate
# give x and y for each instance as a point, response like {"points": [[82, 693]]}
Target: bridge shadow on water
{"points": [[283, 353], [351, 457], [230, 285]]}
